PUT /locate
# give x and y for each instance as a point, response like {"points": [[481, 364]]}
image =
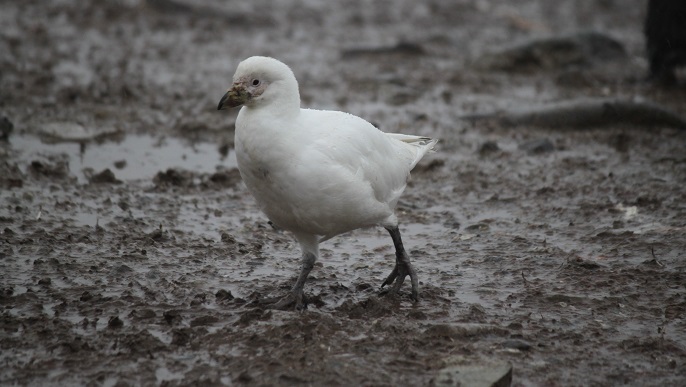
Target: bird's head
{"points": [[258, 81]]}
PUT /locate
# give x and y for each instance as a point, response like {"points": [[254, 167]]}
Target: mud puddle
{"points": [[135, 157]]}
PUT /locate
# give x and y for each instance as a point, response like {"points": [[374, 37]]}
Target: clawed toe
{"points": [[397, 278], [391, 277]]}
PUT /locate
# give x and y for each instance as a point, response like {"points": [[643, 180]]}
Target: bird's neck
{"points": [[282, 108]]}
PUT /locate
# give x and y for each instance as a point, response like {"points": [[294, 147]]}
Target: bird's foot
{"points": [[401, 270], [292, 301]]}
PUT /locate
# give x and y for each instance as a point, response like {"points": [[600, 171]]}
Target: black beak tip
{"points": [[220, 106]]}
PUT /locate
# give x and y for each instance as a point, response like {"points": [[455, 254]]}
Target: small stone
{"points": [[104, 177], [173, 177], [488, 148], [115, 322], [227, 178], [86, 296], [245, 377], [223, 295], [55, 169]]}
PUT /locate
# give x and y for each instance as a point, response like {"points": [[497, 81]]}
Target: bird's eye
{"points": [[255, 82]]}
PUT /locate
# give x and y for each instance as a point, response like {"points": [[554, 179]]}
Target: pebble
{"points": [[115, 322], [488, 148]]}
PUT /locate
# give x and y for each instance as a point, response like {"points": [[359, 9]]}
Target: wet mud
{"points": [[132, 254]]}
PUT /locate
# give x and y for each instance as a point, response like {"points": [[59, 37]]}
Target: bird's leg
{"points": [[402, 268], [296, 295]]}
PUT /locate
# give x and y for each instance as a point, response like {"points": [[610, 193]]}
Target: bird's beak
{"points": [[236, 96]]}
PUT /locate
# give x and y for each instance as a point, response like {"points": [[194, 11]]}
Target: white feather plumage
{"points": [[315, 173]]}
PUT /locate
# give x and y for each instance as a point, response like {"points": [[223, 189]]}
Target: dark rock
{"points": [[104, 177], [59, 169], [115, 322], [224, 150], [173, 177], [488, 148], [86, 296], [244, 377], [222, 295], [226, 178]]}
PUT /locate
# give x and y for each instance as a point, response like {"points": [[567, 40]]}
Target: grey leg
{"points": [[402, 268], [296, 295]]}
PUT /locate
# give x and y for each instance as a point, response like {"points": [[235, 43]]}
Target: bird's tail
{"points": [[422, 145]]}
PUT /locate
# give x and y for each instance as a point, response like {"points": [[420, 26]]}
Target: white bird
{"points": [[318, 173]]}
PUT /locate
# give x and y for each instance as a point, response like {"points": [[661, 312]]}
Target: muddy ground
{"points": [[558, 250]]}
